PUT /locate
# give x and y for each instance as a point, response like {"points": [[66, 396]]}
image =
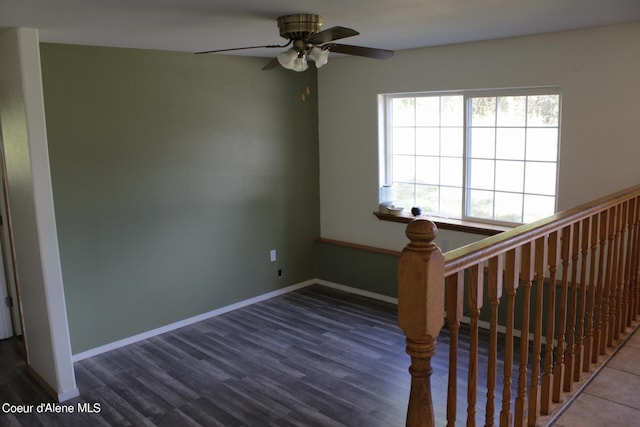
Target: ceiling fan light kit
{"points": [[287, 58], [299, 64], [319, 56], [304, 33]]}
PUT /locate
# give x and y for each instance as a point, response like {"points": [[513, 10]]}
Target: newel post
{"points": [[421, 313]]}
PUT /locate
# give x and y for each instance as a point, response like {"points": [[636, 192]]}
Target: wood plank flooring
{"points": [[314, 357]]}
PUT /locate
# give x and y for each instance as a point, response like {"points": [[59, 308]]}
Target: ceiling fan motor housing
{"points": [[299, 26]]}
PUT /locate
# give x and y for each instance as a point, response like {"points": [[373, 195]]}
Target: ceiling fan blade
{"points": [[244, 48], [330, 34], [368, 52], [271, 64]]}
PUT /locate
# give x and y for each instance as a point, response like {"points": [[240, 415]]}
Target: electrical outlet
{"points": [[272, 255]]}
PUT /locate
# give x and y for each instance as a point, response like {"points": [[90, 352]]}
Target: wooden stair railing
{"points": [[546, 303]]}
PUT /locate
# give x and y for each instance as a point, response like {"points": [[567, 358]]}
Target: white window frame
{"points": [[385, 135]]}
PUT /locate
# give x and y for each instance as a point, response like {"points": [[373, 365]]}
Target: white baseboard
{"points": [[191, 320], [60, 396], [186, 322], [68, 395]]}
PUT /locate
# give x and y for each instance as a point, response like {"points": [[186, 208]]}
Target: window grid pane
{"points": [[511, 151], [427, 152], [525, 168]]}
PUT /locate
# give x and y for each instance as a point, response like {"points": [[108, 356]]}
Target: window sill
{"points": [[447, 223]]}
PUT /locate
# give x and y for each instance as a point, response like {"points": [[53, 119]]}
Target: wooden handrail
{"points": [[466, 256], [575, 277]]}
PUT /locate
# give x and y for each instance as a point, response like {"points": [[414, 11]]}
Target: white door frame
{"points": [[6, 325], [10, 317]]}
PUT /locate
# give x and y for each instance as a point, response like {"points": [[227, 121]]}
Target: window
{"points": [[488, 156]]}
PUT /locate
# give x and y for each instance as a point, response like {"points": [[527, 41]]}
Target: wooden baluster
{"points": [[613, 305], [455, 302], [624, 253], [600, 340], [621, 299], [619, 270], [511, 285], [607, 327], [474, 304], [631, 262], [626, 293], [526, 271], [631, 224], [589, 343], [635, 263], [547, 377], [558, 371], [421, 313], [582, 300], [620, 267], [571, 310], [495, 293], [534, 390]]}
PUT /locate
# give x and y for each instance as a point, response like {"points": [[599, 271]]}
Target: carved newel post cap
{"points": [[421, 232]]}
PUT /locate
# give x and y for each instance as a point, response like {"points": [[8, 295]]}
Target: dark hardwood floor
{"points": [[314, 357]]}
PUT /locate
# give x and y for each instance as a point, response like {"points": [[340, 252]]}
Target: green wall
{"points": [[357, 268], [173, 176]]}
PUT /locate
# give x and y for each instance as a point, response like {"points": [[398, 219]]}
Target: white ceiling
{"points": [[198, 25]]}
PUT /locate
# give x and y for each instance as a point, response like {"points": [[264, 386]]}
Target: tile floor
{"points": [[612, 398]]}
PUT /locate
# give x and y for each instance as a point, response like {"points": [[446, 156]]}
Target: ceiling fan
{"points": [[308, 42]]}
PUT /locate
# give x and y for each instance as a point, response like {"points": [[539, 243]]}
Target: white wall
{"points": [[597, 69], [32, 214]]}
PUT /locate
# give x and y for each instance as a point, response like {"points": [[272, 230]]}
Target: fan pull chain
{"points": [[305, 92], [306, 89]]}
